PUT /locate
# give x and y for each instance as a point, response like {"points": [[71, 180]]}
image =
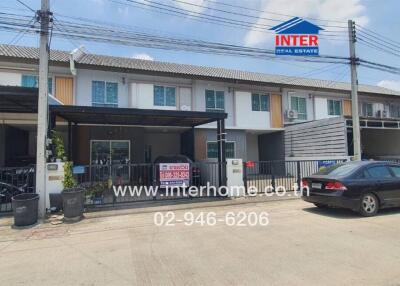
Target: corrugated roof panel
{"points": [[189, 70]]}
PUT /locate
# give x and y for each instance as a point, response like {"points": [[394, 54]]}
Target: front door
{"points": [[110, 159]]}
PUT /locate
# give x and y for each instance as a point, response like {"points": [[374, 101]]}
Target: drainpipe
{"points": [[74, 56]]}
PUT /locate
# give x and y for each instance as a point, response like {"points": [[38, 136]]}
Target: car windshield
{"points": [[339, 170]]}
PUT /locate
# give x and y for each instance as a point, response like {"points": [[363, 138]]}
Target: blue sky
{"points": [[377, 15]]}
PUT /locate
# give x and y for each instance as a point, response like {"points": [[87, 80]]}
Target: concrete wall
{"points": [[134, 90], [246, 117], [204, 135], [252, 152], [163, 144], [10, 78], [84, 86], [199, 101], [11, 73], [300, 93], [83, 134]]}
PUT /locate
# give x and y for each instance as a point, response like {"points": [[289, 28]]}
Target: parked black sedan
{"points": [[364, 186]]}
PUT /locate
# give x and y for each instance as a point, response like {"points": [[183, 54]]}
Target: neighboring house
{"points": [[259, 106]]}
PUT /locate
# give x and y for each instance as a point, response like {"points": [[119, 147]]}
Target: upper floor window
{"points": [[299, 104], [215, 100], [259, 102], [367, 109], [28, 80], [212, 149], [395, 111], [164, 96], [334, 107], [104, 94]]}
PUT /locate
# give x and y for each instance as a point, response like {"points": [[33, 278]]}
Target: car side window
{"points": [[379, 172], [363, 174], [395, 170]]}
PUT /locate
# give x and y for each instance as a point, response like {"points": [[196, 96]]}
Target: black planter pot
{"points": [[73, 201], [25, 209]]}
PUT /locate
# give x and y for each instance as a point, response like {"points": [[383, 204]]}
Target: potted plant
{"points": [[95, 192], [59, 150], [73, 196]]}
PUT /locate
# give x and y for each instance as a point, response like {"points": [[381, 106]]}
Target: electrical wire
{"points": [[22, 3], [204, 17], [272, 13]]}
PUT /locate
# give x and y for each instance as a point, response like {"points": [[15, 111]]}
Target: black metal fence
{"points": [[124, 183], [269, 175], [14, 181]]}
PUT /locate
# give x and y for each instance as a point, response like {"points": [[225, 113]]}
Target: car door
{"points": [[395, 193], [385, 183]]}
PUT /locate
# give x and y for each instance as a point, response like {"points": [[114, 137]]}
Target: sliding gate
{"points": [[263, 175]]}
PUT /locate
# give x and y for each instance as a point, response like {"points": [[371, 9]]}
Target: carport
{"points": [[380, 137], [15, 101]]}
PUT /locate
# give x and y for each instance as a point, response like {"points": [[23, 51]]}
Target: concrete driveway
{"points": [[302, 245]]}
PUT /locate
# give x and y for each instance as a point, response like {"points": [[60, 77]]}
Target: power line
{"points": [[241, 14], [20, 34], [378, 35], [377, 39], [272, 13], [376, 47], [203, 17], [22, 3]]}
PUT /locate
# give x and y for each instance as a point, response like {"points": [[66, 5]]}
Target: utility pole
{"points": [[354, 91], [42, 120]]}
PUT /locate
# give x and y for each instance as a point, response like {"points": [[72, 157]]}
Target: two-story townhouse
{"points": [[259, 106], [318, 123]]}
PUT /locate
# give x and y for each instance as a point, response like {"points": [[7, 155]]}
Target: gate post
{"points": [[298, 176], [245, 177], [273, 176]]}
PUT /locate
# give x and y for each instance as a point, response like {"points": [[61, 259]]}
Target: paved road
{"points": [[301, 245]]}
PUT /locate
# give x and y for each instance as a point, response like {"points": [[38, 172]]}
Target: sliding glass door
{"points": [[110, 159]]}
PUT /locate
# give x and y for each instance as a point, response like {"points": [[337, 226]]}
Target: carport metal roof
{"points": [[134, 116], [24, 100], [375, 123], [18, 99]]}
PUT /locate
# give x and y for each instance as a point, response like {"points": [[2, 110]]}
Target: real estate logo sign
{"points": [[296, 37]]}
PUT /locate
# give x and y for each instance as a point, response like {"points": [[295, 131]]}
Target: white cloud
{"points": [[192, 8], [124, 11], [99, 2], [143, 56], [390, 84], [337, 10]]}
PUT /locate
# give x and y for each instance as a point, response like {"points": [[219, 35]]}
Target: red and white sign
{"points": [[174, 174]]}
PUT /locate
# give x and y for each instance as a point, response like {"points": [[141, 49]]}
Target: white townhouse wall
{"points": [[84, 79], [316, 104], [134, 90], [321, 103], [245, 116], [11, 73], [199, 99], [10, 78], [287, 97]]}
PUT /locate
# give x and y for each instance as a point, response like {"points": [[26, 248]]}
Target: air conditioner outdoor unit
{"points": [[292, 114]]}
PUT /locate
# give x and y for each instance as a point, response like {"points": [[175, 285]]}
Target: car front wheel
{"points": [[369, 205]]}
